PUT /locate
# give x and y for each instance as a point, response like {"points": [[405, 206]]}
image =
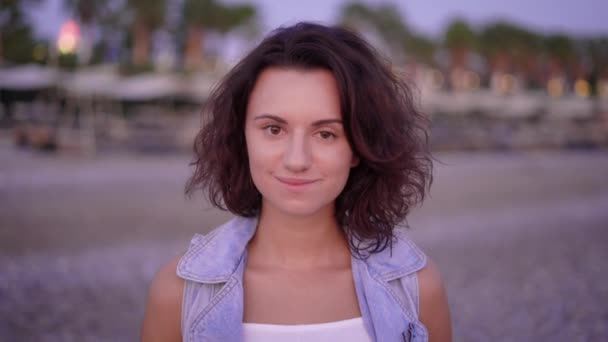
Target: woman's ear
{"points": [[354, 161]]}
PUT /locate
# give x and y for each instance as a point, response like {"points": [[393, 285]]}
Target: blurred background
{"points": [[100, 102]]}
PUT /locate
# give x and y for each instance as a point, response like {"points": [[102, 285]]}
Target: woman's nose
{"points": [[297, 156]]}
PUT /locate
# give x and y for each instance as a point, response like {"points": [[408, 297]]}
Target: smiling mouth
{"points": [[295, 181]]}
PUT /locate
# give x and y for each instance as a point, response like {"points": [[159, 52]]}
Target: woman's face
{"points": [[299, 157]]}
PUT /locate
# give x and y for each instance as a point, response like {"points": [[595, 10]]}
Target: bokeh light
{"points": [[68, 37]]}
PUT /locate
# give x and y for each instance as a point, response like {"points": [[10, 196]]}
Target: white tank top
{"points": [[351, 330]]}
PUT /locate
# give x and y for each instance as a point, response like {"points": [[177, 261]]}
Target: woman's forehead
{"points": [[295, 94]]}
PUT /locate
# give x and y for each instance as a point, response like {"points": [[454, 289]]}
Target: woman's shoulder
{"points": [[434, 310], [166, 283], [162, 317]]}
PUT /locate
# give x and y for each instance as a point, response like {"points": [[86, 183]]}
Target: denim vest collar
{"points": [[215, 257]]}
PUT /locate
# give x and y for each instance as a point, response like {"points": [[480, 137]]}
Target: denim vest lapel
{"points": [[221, 320], [219, 258]]}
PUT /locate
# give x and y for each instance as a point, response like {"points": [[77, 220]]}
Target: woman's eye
{"points": [[326, 135], [273, 129]]}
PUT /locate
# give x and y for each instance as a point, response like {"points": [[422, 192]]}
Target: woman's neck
{"points": [[298, 242]]}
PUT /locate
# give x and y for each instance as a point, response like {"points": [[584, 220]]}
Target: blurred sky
{"points": [[429, 16]]}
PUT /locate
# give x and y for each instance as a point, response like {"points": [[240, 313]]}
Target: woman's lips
{"points": [[295, 181]]}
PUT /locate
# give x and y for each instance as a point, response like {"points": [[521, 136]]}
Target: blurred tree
{"points": [[384, 19], [201, 16], [510, 48], [392, 29], [527, 56], [597, 50], [87, 11], [105, 17], [560, 50], [421, 48], [147, 16], [459, 38], [17, 44], [496, 42]]}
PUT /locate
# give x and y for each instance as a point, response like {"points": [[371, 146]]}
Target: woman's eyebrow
{"points": [[283, 121], [326, 121], [270, 116]]}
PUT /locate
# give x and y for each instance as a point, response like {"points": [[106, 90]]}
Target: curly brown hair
{"points": [[383, 127]]}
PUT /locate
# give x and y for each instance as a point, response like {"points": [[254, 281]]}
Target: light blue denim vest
{"points": [[212, 267]]}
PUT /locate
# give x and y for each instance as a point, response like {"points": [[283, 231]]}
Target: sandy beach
{"points": [[521, 239]]}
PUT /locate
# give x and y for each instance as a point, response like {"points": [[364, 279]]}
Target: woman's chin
{"points": [[298, 208]]}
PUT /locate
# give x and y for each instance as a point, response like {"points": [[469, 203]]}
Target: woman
{"points": [[317, 148]]}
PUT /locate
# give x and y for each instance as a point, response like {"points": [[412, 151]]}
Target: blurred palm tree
{"points": [[460, 39], [386, 21], [510, 48], [202, 16], [383, 19], [147, 16], [421, 48], [597, 50], [87, 11], [496, 42], [561, 52]]}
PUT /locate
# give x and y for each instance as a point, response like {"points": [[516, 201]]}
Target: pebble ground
{"points": [[521, 240]]}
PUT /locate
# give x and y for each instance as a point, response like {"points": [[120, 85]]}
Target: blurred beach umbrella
{"points": [[28, 78], [24, 83], [146, 87], [202, 16], [93, 82]]}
